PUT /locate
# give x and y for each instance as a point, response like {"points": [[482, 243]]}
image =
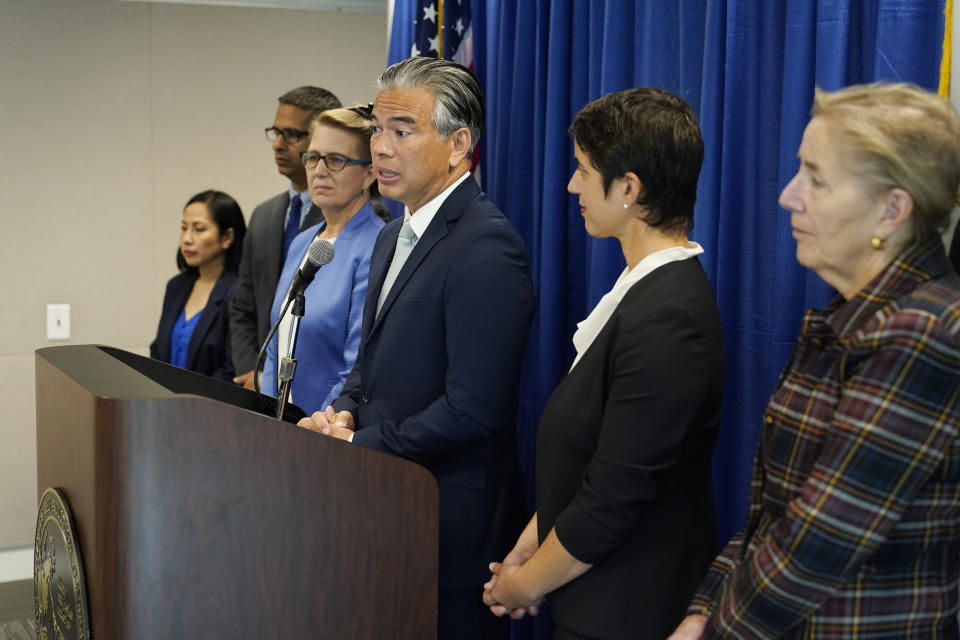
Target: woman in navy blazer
{"points": [[343, 185], [194, 330]]}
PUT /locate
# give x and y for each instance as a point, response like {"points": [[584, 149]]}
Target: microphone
{"points": [[319, 254]]}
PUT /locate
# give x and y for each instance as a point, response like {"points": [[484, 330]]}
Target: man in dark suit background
{"points": [[445, 322], [273, 224]]}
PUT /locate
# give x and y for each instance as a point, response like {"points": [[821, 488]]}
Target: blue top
{"points": [[180, 338], [329, 334], [208, 348]]}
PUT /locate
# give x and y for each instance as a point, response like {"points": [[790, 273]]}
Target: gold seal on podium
{"points": [[59, 595]]}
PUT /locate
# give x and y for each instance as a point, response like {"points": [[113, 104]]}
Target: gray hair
{"points": [[899, 135], [316, 100], [458, 101]]}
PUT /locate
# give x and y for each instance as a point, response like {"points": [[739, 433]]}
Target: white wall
{"points": [[112, 114]]}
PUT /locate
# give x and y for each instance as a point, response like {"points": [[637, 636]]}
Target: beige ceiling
{"points": [[350, 6]]}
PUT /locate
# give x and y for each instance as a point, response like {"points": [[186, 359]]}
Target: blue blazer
{"points": [[438, 372], [260, 268], [209, 349], [330, 328]]}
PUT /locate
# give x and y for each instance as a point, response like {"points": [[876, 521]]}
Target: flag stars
{"points": [[414, 52], [434, 43], [459, 27], [430, 13]]}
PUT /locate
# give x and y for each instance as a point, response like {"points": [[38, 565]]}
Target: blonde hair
{"points": [[899, 136], [351, 120], [356, 120]]}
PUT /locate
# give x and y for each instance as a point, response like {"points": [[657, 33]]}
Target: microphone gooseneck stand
{"points": [[262, 356], [319, 253], [287, 363]]}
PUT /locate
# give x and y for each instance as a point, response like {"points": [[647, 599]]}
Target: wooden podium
{"points": [[199, 516]]}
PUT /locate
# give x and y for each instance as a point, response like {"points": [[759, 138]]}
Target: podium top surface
{"points": [[109, 372]]}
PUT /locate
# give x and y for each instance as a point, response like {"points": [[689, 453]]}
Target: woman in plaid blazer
{"points": [[853, 529]]}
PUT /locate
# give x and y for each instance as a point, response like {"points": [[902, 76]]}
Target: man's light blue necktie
{"points": [[405, 242]]}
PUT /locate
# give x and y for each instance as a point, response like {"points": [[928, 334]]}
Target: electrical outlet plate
{"points": [[58, 322]]}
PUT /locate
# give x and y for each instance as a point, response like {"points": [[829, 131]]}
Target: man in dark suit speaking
{"points": [[447, 313], [273, 224]]}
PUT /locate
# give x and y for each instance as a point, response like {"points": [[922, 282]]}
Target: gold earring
{"points": [[878, 244]]}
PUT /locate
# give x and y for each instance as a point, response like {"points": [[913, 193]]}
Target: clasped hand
{"points": [[330, 423], [502, 593]]}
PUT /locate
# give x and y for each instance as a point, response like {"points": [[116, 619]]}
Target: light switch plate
{"points": [[58, 322]]}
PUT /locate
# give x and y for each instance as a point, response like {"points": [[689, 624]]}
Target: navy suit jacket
{"points": [[260, 268], [209, 349], [437, 374]]}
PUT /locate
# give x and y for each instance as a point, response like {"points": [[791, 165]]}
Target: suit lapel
{"points": [[379, 265], [207, 316], [314, 216], [175, 305], [274, 248], [447, 215], [433, 234]]}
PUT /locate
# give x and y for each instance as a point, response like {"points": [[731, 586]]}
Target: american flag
{"points": [[453, 41]]}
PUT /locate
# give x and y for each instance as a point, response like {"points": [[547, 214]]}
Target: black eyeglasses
{"points": [[290, 136], [334, 161]]}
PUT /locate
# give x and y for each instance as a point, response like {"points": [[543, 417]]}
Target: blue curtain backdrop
{"points": [[749, 68]]}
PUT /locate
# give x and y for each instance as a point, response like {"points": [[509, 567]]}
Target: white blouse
{"points": [[588, 329]]}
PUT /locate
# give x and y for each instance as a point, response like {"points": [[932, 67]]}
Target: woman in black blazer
{"points": [[194, 331], [625, 525]]}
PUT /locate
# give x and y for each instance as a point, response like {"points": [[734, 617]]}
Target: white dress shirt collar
{"points": [[424, 215]]}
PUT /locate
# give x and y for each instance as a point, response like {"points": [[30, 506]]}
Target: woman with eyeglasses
{"points": [[342, 183]]}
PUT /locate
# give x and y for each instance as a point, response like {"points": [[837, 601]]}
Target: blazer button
{"points": [[365, 398]]}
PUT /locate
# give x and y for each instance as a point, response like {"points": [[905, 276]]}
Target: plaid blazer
{"points": [[854, 521]]}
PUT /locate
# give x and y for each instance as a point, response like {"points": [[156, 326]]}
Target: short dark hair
{"points": [[458, 101], [654, 134], [226, 214], [316, 100]]}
